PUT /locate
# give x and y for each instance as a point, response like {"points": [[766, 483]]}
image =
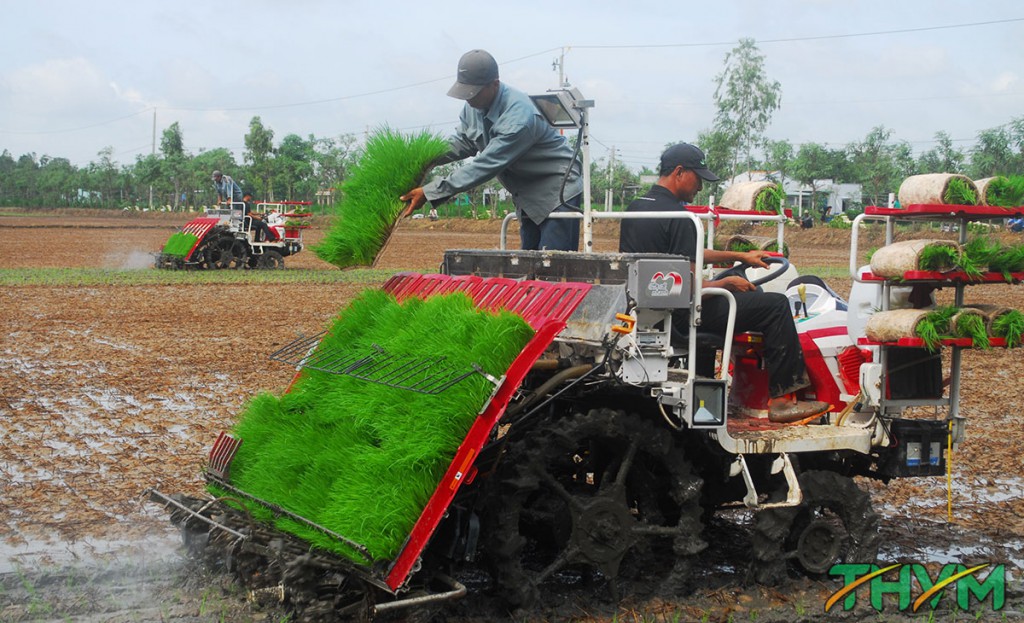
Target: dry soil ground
{"points": [[106, 390]]}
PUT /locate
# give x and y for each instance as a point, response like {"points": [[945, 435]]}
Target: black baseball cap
{"points": [[477, 69], [689, 157]]}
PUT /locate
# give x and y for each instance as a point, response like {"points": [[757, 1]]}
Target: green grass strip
{"points": [[391, 164], [136, 277], [362, 458], [180, 243], [960, 192], [1009, 326]]}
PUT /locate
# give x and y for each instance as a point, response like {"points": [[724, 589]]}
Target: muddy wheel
{"points": [[240, 254], [219, 253], [271, 260], [835, 523], [603, 497]]}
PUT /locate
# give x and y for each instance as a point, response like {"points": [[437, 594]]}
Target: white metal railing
{"points": [[710, 216]]}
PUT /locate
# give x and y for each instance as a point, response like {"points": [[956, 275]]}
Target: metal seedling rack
{"points": [[425, 375]]}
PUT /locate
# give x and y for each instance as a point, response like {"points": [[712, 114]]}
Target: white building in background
{"points": [[835, 197]]}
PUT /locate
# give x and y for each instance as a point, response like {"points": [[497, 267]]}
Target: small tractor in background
{"points": [[225, 237]]}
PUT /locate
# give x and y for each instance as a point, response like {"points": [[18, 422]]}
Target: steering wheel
{"points": [[740, 270]]}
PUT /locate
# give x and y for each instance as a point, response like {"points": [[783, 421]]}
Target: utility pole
{"points": [[611, 173], [559, 65], [153, 153]]}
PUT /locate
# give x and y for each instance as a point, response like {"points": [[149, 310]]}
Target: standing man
{"points": [[512, 141], [681, 176], [227, 188]]}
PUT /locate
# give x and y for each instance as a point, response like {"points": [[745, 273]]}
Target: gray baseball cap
{"points": [[477, 69]]}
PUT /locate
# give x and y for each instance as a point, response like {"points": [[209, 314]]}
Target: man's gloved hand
{"points": [[414, 199]]}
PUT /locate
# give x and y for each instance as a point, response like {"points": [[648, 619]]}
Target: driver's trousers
{"points": [[769, 314]]}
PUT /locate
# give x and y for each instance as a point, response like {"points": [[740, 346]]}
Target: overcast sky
{"points": [[76, 76]]}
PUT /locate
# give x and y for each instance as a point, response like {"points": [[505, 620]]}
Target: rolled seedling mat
{"points": [[894, 260], [1009, 326], [970, 322], [1002, 322], [1001, 191], [990, 311], [890, 326], [932, 188], [983, 186], [742, 244], [744, 196]]}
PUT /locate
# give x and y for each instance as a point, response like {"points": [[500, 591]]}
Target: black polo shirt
{"points": [[672, 235]]}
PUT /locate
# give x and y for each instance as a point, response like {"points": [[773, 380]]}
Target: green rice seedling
{"points": [[969, 266], [180, 243], [1009, 326], [392, 164], [742, 246], [941, 258], [999, 193], [1007, 260], [774, 247], [960, 192], [362, 458], [937, 257], [981, 250], [972, 326], [771, 199], [934, 326], [1006, 192]]}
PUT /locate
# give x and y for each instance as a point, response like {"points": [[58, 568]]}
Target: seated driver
{"points": [[681, 176]]}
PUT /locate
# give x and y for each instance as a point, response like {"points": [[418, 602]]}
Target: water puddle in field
{"points": [[39, 554]]}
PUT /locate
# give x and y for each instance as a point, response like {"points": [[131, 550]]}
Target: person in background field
{"points": [[228, 190], [512, 141], [681, 176]]}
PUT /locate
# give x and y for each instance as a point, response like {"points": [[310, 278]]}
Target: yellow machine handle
{"points": [[628, 322]]}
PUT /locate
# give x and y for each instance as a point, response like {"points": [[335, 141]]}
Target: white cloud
{"points": [[58, 86], [1005, 81]]}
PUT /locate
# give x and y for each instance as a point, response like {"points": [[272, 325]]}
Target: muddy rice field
{"points": [[112, 383]]}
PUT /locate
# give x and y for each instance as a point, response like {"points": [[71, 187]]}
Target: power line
{"points": [[526, 57], [797, 39], [84, 127], [597, 47]]}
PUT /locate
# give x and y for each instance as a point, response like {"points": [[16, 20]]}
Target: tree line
{"points": [[297, 168], [294, 169]]}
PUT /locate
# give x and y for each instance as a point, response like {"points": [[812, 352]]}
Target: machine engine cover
{"points": [[661, 283]]}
